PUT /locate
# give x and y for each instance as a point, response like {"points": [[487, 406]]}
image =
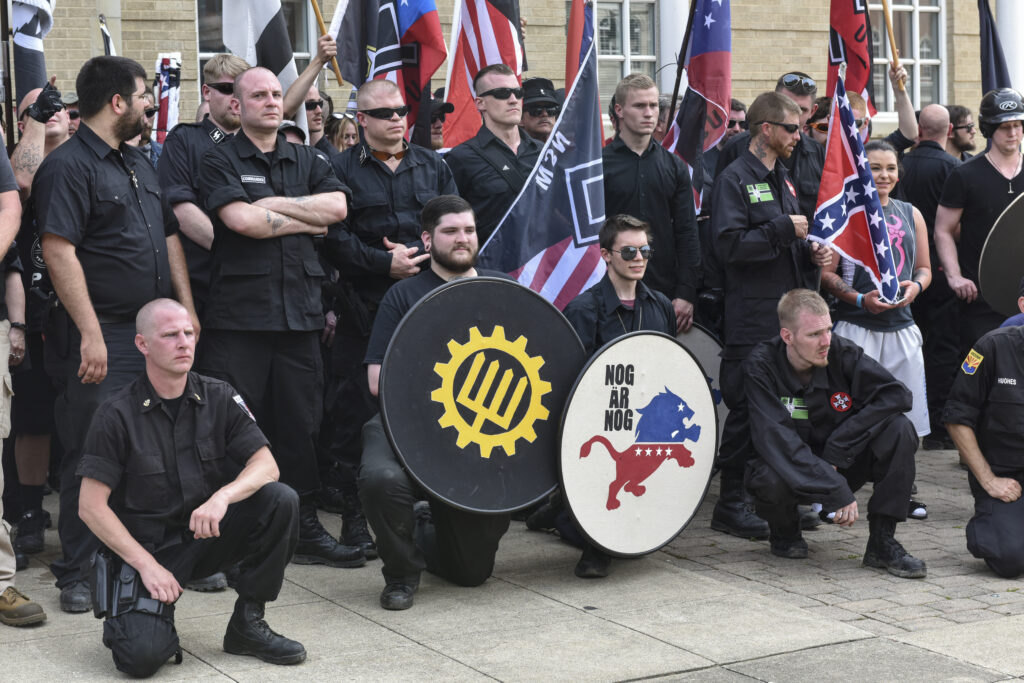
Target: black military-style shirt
{"points": [[489, 176], [924, 173], [162, 464], [325, 146], [804, 165], [178, 170], [804, 429], [382, 203], [263, 284], [988, 397], [599, 316], [757, 247], [108, 203], [655, 187]]}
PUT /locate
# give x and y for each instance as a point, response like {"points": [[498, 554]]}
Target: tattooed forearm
{"points": [[836, 284], [26, 158], [275, 221]]}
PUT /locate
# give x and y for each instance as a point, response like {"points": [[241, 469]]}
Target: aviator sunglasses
{"points": [[629, 253]]}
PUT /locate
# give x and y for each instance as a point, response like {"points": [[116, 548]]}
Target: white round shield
{"points": [[638, 440]]}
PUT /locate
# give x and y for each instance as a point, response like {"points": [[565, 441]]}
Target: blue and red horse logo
{"points": [[664, 424]]}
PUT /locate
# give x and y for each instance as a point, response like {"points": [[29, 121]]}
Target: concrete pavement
{"points": [[708, 607]]}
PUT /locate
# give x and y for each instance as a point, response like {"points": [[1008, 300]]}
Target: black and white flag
{"points": [[108, 40], [255, 30], [31, 21]]}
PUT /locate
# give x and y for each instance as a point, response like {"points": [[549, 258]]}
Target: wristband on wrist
{"points": [[920, 287], [860, 301], [18, 326]]}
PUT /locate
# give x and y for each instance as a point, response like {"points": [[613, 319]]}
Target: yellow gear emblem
{"points": [[474, 392]]}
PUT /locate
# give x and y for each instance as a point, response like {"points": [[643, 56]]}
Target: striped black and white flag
{"points": [[108, 40], [31, 21]]}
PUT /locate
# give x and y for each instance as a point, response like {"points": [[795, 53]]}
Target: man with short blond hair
{"points": [[491, 168], [646, 181]]}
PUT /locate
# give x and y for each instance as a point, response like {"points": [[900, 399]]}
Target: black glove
{"points": [[46, 105]]}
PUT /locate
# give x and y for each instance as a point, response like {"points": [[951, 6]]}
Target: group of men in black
{"points": [[281, 271]]}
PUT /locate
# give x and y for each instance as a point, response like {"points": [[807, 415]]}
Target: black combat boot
{"points": [[732, 513], [785, 537], [29, 539], [885, 552], [316, 546], [249, 634], [354, 530]]}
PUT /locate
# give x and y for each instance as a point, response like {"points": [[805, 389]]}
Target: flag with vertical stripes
{"points": [[108, 40], [256, 31], [31, 20], [849, 217], [703, 116], [484, 32], [548, 238], [168, 76]]}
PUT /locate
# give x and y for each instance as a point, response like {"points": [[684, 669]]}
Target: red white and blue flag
{"points": [[849, 216], [548, 238], [399, 40], [484, 32], [703, 116], [849, 42]]}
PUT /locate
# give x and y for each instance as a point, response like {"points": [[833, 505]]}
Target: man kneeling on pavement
{"points": [[179, 482], [829, 419]]}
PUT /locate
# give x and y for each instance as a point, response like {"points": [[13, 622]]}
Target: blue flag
{"points": [[548, 238]]}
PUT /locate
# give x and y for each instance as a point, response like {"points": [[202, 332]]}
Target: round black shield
{"points": [[1001, 266], [639, 436], [707, 349], [472, 389]]}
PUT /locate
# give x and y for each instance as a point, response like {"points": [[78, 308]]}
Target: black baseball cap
{"points": [[438, 105], [538, 90]]}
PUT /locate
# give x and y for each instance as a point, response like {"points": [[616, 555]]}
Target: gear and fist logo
{"points": [[491, 390]]}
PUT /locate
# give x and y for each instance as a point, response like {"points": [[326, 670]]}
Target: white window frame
{"points": [[912, 62], [625, 59]]}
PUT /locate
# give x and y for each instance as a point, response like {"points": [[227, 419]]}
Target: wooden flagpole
{"points": [[323, 32], [892, 42], [679, 66], [5, 64]]}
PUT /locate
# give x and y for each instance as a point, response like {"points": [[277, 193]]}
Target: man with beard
{"points": [[268, 199], [378, 245], [178, 169], [828, 419], [408, 541], [110, 243], [145, 142], [541, 107], [960, 139], [759, 235]]}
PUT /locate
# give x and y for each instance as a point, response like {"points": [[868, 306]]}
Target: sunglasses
{"points": [[743, 125], [312, 105], [74, 115], [385, 113], [223, 88], [788, 127], [969, 127], [629, 253], [503, 93], [437, 117], [792, 81], [151, 112], [540, 111]]}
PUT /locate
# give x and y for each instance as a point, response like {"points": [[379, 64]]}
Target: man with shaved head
{"points": [[185, 516], [378, 245], [935, 311], [268, 200]]}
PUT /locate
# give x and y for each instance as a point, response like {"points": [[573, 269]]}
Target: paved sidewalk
{"points": [[708, 607]]}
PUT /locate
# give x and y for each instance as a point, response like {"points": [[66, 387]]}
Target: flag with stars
{"points": [[849, 215], [703, 116]]}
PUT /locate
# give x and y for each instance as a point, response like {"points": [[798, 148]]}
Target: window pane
{"points": [[643, 68], [930, 3], [902, 29], [609, 20], [295, 18], [881, 82], [929, 26], [878, 37], [929, 84], [641, 29], [210, 22], [609, 73]]}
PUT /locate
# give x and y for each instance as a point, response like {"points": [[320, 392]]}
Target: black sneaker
{"points": [[397, 596], [31, 526], [249, 634]]}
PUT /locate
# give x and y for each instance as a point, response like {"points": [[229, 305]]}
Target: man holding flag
{"points": [[760, 239]]}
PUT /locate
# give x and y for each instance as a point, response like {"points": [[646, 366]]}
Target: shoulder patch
{"points": [[241, 404], [972, 362]]}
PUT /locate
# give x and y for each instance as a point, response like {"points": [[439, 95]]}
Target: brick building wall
{"points": [[768, 39]]}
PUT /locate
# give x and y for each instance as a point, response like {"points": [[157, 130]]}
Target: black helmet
{"points": [[999, 106]]}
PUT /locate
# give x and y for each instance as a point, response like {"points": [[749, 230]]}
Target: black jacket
{"points": [[598, 315], [804, 430]]}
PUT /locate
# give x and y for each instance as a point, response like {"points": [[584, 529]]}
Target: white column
{"points": [[1009, 19], [672, 18]]}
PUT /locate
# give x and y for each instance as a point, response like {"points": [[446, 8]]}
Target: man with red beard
{"points": [[408, 542], [759, 235]]}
